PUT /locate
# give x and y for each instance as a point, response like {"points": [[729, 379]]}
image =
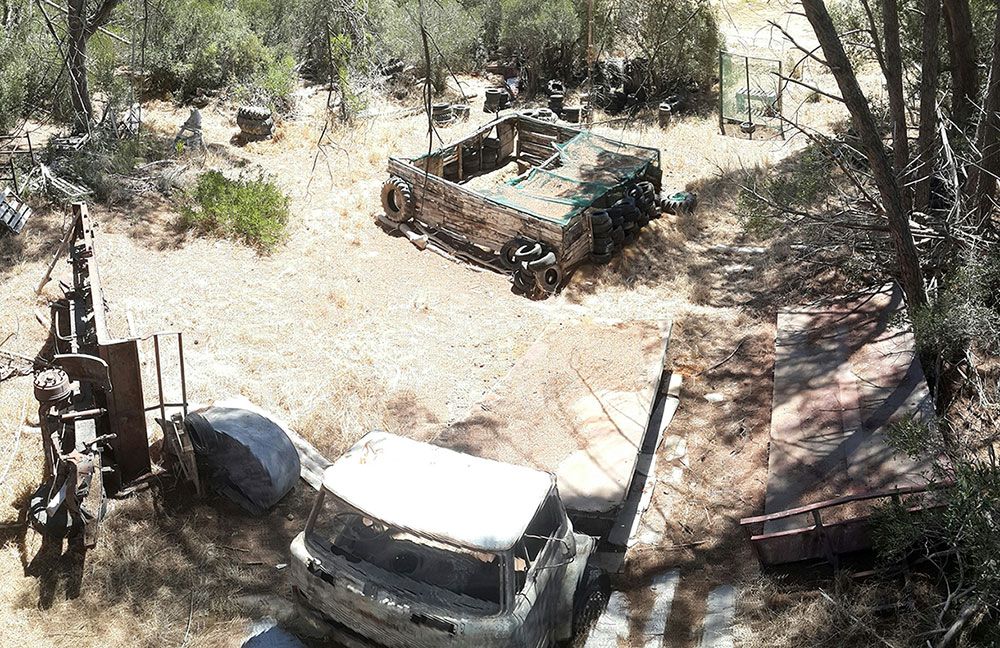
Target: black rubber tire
{"points": [[549, 279], [608, 247], [256, 127], [507, 259], [602, 259], [631, 236], [591, 598], [601, 227], [528, 252], [522, 283], [254, 113], [618, 235], [617, 220], [603, 242], [541, 262], [397, 200], [60, 525]]}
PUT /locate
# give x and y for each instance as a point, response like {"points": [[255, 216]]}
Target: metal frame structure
{"points": [[831, 539], [92, 405], [749, 126]]}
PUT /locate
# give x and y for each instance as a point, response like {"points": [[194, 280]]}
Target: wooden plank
{"points": [[578, 405]]}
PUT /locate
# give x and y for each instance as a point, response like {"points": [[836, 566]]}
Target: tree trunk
{"points": [[983, 179], [897, 102], [964, 71], [871, 142], [80, 27], [76, 19], [928, 105]]}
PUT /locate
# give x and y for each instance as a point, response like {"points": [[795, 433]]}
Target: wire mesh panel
{"points": [[749, 92]]}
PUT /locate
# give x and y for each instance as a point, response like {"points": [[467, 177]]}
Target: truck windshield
{"points": [[450, 574]]}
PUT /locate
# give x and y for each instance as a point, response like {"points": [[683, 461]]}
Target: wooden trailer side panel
{"points": [[440, 203]]}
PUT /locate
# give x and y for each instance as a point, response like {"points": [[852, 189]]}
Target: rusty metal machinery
{"points": [[92, 408]]}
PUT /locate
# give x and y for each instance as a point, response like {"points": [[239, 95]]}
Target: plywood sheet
{"points": [[842, 372], [577, 404]]}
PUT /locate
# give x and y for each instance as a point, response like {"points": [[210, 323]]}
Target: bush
{"points": [[964, 311], [679, 38], [541, 34], [250, 209], [455, 29]]}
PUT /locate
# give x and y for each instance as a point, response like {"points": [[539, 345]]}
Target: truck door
{"points": [[539, 567]]}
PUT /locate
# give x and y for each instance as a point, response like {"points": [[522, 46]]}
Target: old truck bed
{"points": [[577, 404]]}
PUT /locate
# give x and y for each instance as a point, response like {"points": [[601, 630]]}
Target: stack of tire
{"points": [[619, 225], [461, 111], [255, 121], [543, 114], [533, 266], [442, 114], [497, 99], [556, 103]]}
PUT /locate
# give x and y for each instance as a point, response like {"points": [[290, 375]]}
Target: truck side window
{"points": [[545, 525]]}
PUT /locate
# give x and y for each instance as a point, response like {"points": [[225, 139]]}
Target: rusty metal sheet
{"points": [[577, 405], [126, 409], [843, 371]]}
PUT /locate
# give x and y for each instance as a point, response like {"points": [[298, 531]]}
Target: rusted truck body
{"points": [[413, 545]]}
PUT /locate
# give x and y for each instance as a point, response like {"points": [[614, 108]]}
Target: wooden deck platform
{"points": [[578, 405], [842, 372]]}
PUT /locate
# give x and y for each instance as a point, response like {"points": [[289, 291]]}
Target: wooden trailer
{"points": [[541, 223]]}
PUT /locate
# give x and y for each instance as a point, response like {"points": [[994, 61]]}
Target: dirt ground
{"points": [[344, 329]]}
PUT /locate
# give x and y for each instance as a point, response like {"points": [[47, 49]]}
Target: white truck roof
{"points": [[478, 504]]}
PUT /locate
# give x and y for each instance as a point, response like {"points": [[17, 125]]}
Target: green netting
{"points": [[750, 90], [588, 167]]}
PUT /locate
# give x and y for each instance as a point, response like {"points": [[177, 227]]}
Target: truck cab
{"points": [[409, 544]]}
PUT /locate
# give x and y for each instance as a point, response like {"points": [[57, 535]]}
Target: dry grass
{"points": [[344, 329]]}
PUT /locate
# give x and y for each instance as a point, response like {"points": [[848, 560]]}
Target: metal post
{"points": [[180, 356], [746, 62], [159, 376], [722, 88]]}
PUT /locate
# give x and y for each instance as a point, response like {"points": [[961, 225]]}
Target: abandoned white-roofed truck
{"points": [[410, 544]]}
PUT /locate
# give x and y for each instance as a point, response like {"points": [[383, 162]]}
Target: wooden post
{"points": [[831, 557]]}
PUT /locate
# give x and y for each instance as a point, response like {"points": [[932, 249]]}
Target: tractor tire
{"points": [[255, 127], [254, 113], [397, 200], [618, 235]]}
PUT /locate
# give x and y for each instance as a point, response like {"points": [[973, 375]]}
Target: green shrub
{"points": [[679, 38], [543, 34], [273, 86], [964, 311], [250, 209], [455, 27]]}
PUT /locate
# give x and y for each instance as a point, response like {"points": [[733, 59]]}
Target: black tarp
{"points": [[245, 456]]}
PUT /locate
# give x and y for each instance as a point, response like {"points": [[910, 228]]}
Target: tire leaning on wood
{"points": [[397, 200]]}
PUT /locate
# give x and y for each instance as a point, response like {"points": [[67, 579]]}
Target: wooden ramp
{"points": [[578, 405], [843, 371]]}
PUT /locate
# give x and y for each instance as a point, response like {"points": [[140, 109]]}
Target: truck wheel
{"points": [[590, 600], [397, 200]]}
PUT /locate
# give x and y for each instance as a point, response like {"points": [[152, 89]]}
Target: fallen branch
{"points": [[724, 360]]}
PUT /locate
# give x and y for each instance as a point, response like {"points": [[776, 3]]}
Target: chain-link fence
{"points": [[749, 93]]}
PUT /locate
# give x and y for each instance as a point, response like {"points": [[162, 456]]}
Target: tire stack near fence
{"points": [[533, 266]]}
